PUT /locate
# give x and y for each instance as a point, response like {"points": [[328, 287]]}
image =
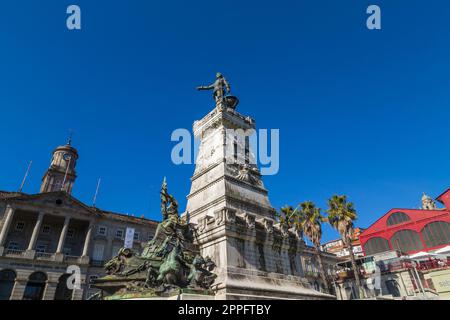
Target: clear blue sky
{"points": [[362, 113]]}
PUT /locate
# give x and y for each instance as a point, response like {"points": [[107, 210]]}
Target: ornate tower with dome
{"points": [[61, 174]]}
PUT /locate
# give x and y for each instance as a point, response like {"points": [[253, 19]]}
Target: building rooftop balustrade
{"points": [[44, 256], [14, 252], [48, 256], [392, 265], [71, 259], [433, 264]]}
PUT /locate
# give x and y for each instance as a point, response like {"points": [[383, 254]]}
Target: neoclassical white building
{"points": [[42, 234]]}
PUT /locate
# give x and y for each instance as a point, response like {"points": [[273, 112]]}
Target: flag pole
{"points": [[26, 176], [96, 192], [65, 175]]}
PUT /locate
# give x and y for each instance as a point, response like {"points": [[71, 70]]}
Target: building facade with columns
{"points": [[46, 235]]}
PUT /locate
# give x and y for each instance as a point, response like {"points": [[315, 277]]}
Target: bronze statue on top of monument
{"points": [[169, 264], [221, 93]]}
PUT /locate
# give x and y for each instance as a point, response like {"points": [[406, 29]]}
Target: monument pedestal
{"points": [[256, 257], [267, 286], [183, 296]]}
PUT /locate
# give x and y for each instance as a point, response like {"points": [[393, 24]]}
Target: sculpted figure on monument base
{"points": [[170, 262]]}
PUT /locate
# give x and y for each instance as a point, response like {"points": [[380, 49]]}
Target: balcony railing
{"points": [[396, 264], [44, 255], [14, 252], [433, 264], [71, 259]]}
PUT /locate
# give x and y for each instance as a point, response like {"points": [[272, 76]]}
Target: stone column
{"points": [[87, 241], [77, 294], [62, 237], [37, 228], [9, 215], [50, 290], [19, 289]]}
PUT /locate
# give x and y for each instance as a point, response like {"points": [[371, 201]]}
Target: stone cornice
{"points": [[229, 119], [227, 177], [207, 169], [225, 223]]}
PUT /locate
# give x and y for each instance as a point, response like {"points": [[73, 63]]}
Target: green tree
{"points": [[310, 222], [341, 215], [307, 219], [288, 216]]}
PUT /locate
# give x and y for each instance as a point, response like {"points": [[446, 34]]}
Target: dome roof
{"points": [[68, 148]]}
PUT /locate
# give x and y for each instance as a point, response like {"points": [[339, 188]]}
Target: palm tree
{"points": [[310, 222], [288, 216], [341, 215]]}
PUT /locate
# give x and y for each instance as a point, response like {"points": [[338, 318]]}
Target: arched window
{"points": [[376, 245], [7, 279], [35, 286], [397, 218], [62, 290], [406, 241], [436, 234]]}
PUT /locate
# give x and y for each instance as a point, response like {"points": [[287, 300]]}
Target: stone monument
{"points": [[256, 257], [169, 265]]}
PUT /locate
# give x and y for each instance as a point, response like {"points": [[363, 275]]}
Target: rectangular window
{"points": [[99, 248], [71, 233], [150, 237], [92, 277], [119, 233], [136, 236], [20, 225], [41, 248], [67, 251], [102, 230], [13, 245], [58, 184], [115, 250], [46, 229]]}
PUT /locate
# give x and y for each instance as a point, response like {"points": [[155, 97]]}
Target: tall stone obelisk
{"points": [[256, 257], [218, 180]]}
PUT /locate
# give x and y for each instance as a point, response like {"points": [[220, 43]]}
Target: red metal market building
{"points": [[410, 230]]}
